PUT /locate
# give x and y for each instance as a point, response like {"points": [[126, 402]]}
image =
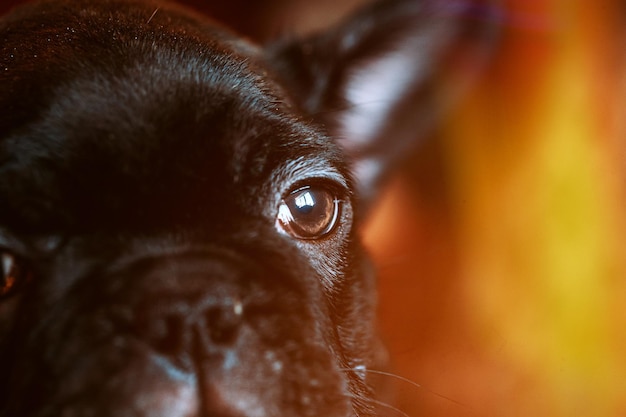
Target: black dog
{"points": [[179, 208]]}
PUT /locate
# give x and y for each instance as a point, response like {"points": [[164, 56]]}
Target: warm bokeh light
{"points": [[517, 270]]}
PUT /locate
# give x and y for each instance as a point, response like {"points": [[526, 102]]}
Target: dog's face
{"points": [[179, 208]]}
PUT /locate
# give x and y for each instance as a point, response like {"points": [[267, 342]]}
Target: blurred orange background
{"points": [[500, 245]]}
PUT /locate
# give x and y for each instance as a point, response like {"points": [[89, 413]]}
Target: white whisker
{"points": [[389, 406], [381, 404], [389, 374], [405, 380]]}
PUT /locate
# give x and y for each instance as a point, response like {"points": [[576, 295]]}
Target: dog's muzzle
{"points": [[188, 334]]}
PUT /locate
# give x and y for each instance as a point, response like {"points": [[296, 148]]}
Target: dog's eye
{"points": [[309, 213], [14, 274]]}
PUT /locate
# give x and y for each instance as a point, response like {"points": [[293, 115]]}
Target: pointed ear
{"points": [[382, 78]]}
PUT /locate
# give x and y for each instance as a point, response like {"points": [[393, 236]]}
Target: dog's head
{"points": [[179, 208]]}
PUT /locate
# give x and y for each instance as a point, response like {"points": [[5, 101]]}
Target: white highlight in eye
{"points": [[284, 214], [304, 200], [7, 264]]}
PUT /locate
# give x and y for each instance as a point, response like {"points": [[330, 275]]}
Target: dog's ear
{"points": [[380, 79]]}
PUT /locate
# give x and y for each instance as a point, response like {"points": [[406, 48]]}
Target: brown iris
{"points": [[309, 212]]}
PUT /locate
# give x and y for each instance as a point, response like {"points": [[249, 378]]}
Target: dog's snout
{"points": [[202, 306], [180, 327], [188, 306], [189, 321], [223, 321]]}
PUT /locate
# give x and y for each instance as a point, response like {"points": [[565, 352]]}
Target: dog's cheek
{"points": [[332, 257], [80, 357], [348, 279], [125, 378], [122, 373], [357, 307]]}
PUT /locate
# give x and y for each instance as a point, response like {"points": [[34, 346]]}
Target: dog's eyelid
{"points": [[335, 184], [304, 171], [10, 243]]}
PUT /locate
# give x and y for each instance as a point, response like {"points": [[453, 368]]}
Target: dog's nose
{"points": [[176, 328], [187, 307]]}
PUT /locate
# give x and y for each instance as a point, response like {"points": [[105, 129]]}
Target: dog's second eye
{"points": [[14, 274], [308, 213]]}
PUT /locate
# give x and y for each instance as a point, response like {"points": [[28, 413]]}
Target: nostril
{"points": [[170, 328], [223, 321], [167, 334]]}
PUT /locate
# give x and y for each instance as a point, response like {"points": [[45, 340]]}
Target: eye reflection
{"points": [[305, 202], [13, 274], [309, 213]]}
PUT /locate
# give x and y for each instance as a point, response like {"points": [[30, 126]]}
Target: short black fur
{"points": [[146, 157]]}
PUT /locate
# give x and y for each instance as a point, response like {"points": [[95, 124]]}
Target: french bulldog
{"points": [[180, 208]]}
